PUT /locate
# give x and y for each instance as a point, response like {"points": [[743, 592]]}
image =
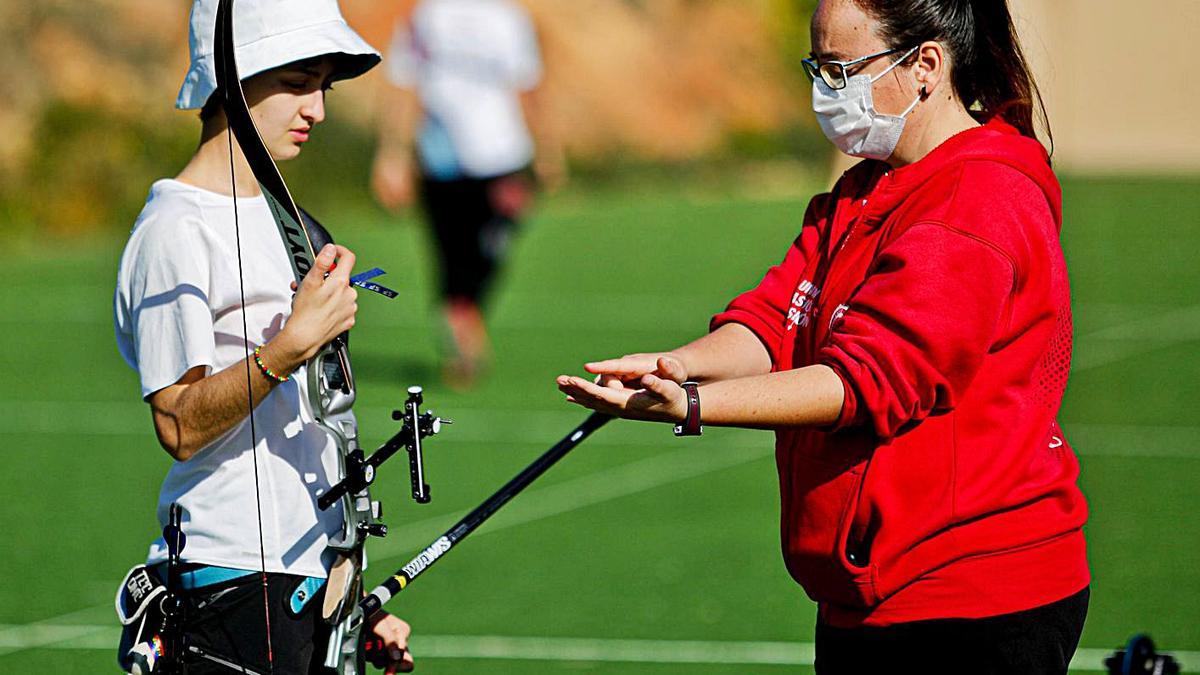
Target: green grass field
{"points": [[640, 553]]}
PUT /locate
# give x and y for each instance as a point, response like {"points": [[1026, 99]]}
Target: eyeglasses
{"points": [[833, 73]]}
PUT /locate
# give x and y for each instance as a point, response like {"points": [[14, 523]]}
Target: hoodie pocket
{"points": [[821, 492]]}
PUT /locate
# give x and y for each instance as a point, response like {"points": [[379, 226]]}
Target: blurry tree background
{"points": [[637, 88], [87, 118]]}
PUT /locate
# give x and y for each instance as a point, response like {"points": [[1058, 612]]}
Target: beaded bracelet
{"points": [[265, 370]]}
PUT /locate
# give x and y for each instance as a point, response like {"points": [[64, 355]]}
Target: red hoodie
{"points": [[938, 293]]}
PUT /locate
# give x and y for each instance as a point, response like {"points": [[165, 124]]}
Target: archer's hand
{"points": [[651, 398], [394, 632], [324, 307]]}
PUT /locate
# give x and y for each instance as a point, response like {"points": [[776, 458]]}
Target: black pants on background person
{"points": [[1038, 641], [473, 220]]}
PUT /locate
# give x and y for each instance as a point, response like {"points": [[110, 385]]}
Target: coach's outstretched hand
{"points": [[635, 386], [629, 369]]}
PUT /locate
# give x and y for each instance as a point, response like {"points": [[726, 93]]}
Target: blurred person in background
{"points": [[462, 126], [911, 353], [180, 313]]}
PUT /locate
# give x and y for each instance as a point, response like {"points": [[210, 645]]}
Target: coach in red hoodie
{"points": [[910, 353]]}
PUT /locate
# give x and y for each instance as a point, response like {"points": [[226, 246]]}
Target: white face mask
{"points": [[850, 121]]}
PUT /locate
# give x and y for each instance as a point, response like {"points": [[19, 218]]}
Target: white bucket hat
{"points": [[268, 34]]}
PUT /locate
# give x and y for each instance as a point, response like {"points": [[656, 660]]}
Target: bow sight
{"points": [[360, 470]]}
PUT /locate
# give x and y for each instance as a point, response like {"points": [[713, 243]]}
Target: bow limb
{"points": [[330, 381]]}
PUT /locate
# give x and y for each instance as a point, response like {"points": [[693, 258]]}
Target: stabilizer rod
{"points": [[375, 601]]}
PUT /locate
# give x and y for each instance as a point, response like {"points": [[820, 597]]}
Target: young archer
{"points": [[185, 311]]}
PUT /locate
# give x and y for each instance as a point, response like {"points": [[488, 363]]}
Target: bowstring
{"points": [[262, 549]]}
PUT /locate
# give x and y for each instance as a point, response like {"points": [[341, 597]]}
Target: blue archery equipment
{"points": [[1140, 658]]}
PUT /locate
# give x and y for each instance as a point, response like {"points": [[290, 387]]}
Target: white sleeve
{"points": [[526, 57], [163, 303], [402, 58]]}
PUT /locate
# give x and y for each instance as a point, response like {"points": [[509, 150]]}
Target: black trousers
{"points": [[226, 629], [1038, 641]]}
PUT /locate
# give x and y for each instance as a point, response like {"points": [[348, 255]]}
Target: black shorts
{"points": [[227, 622], [473, 220], [1038, 641]]}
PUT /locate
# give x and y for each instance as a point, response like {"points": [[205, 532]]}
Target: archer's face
{"points": [[287, 102]]}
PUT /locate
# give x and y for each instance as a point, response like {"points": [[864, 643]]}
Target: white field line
{"points": [[517, 310], [1093, 350], [608, 312], [500, 647], [498, 427], [72, 625], [1117, 343]]}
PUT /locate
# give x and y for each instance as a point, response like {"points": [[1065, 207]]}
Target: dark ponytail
{"points": [[989, 72]]}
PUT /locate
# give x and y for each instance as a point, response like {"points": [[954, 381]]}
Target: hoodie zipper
{"points": [[862, 210], [857, 551]]}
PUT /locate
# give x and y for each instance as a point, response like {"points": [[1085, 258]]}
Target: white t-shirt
{"points": [[468, 60], [177, 306]]}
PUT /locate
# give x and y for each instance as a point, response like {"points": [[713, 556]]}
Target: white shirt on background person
{"points": [[468, 61]]}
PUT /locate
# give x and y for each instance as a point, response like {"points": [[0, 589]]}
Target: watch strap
{"points": [[691, 421]]}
